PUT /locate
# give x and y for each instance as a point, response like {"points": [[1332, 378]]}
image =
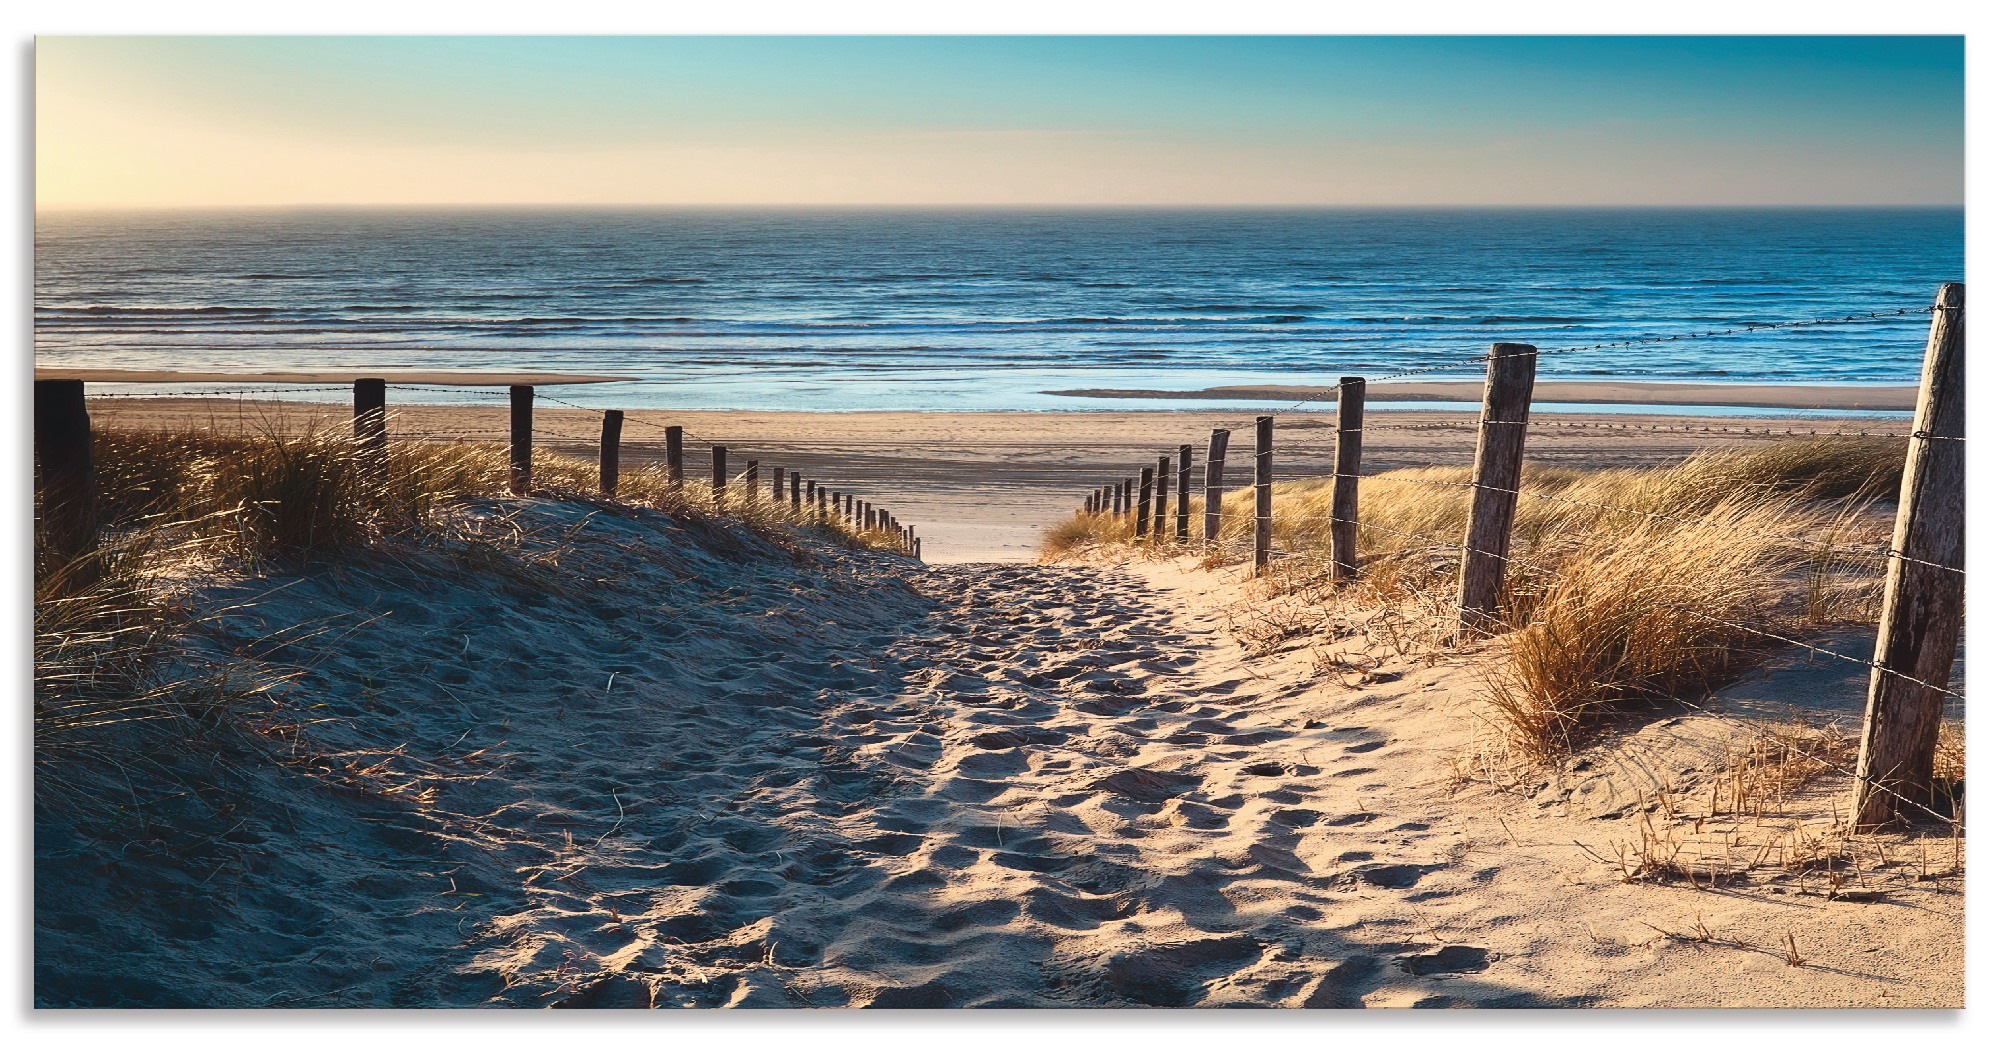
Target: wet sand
{"points": [[1584, 392]]}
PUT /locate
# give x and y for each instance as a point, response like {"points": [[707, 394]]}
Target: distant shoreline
{"points": [[465, 378], [1584, 392]]}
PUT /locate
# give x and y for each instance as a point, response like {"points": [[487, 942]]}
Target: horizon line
{"points": [[213, 207]]}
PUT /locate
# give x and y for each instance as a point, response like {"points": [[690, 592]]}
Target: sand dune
{"points": [[623, 761]]}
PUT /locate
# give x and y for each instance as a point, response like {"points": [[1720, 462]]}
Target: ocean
{"points": [[988, 309]]}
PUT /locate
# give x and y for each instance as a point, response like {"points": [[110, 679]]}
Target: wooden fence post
{"points": [[1496, 466], [607, 452], [675, 474], [1262, 545], [1145, 503], [1108, 503], [798, 490], [918, 551], [750, 479], [1923, 605], [1160, 498], [521, 437], [1181, 491], [777, 484], [1211, 485], [371, 421], [718, 472], [1345, 510], [68, 483], [1125, 497]]}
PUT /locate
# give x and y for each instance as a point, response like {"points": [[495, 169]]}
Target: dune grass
{"points": [[177, 505], [1627, 587]]}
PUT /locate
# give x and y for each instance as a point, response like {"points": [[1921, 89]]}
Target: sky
{"points": [[1009, 121]]}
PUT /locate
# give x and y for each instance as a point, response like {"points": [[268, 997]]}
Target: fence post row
{"points": [[1503, 430], [1160, 498], [1263, 535], [718, 468], [520, 437], [1923, 604], [675, 474], [1211, 487], [1181, 493], [607, 452], [68, 484], [1345, 510]]}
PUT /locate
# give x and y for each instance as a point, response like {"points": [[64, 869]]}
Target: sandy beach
{"points": [[982, 486], [1599, 392]]}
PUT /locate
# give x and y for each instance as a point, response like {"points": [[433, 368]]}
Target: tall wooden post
{"points": [[1923, 605], [521, 437], [917, 552], [1109, 501], [1211, 485], [1125, 497], [1496, 466], [675, 474], [750, 479], [1181, 493], [798, 490], [1346, 507], [777, 485], [68, 521], [1166, 467], [718, 472], [607, 452], [1145, 504], [1262, 545], [371, 420]]}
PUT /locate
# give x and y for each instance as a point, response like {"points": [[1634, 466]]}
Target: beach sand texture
{"points": [[625, 762]]}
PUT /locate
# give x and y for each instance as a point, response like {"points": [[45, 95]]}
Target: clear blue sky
{"points": [[999, 120]]}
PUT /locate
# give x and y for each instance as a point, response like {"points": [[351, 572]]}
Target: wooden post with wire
{"points": [[1923, 605], [607, 452], [1496, 466], [749, 479], [1261, 548], [798, 490], [1166, 466], [1145, 504], [1345, 510], [67, 481], [520, 437], [675, 473], [718, 472], [1125, 497], [1181, 493], [1211, 485], [777, 484], [371, 423]]}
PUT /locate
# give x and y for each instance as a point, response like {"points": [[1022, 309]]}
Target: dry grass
{"points": [[174, 504], [1628, 586]]}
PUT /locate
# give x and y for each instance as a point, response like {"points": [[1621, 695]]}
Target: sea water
{"points": [[989, 309]]}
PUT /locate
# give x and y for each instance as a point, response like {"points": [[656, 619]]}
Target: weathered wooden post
{"points": [[798, 490], [718, 477], [1923, 605], [68, 483], [371, 421], [1160, 498], [521, 437], [675, 474], [1262, 546], [777, 485], [918, 551], [1125, 498], [1181, 493], [1496, 466], [1211, 485], [1109, 501], [750, 480], [1145, 504], [607, 452], [1345, 510]]}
